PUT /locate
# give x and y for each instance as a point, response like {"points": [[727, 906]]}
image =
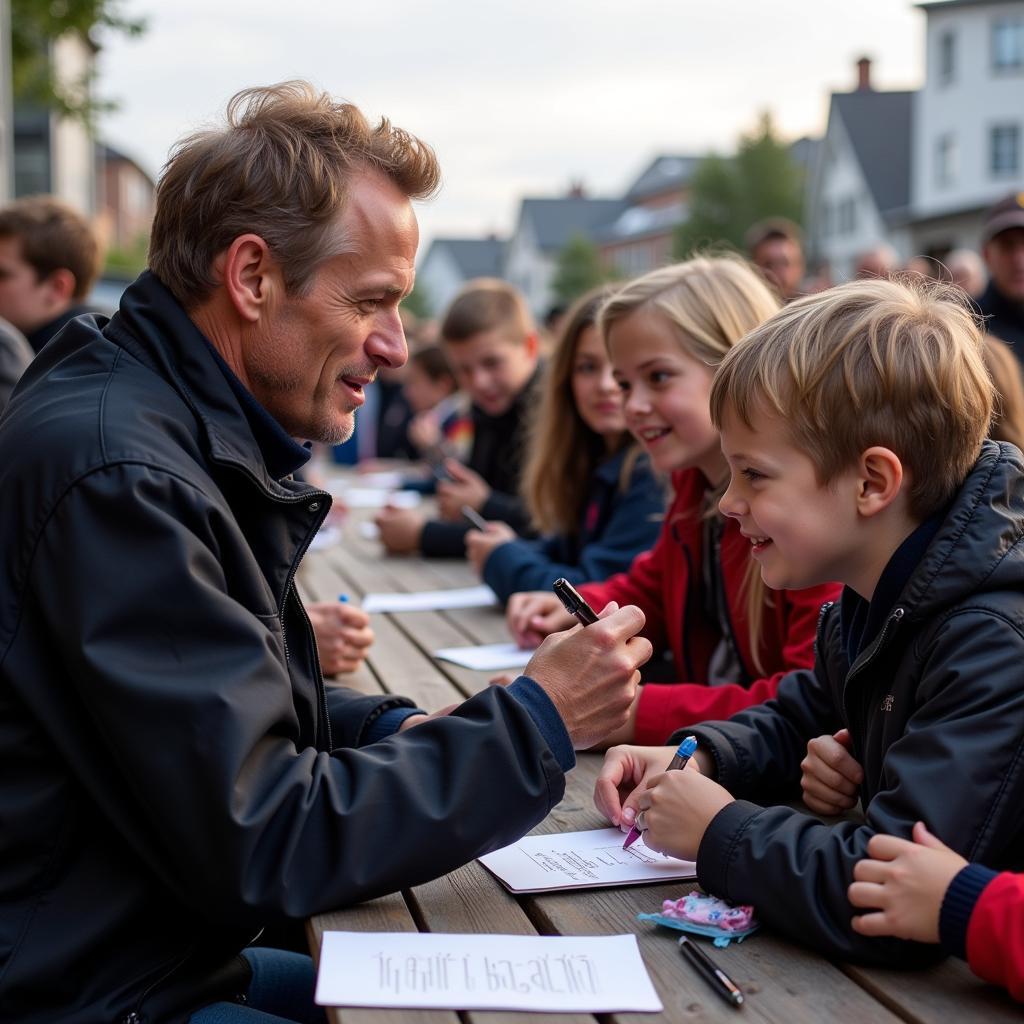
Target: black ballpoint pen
{"points": [[574, 602], [716, 977]]}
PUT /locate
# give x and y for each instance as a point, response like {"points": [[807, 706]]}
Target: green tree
{"points": [[35, 24], [728, 195], [418, 302], [577, 269]]}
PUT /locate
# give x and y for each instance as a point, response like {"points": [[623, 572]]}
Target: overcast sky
{"points": [[517, 99]]}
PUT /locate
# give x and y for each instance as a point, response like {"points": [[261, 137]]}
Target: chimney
{"points": [[577, 189], [864, 74]]}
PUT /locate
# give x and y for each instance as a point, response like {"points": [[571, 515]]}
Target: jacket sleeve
{"points": [[444, 540], [642, 585], [533, 565], [995, 934], [507, 508], [180, 721], [663, 708], [956, 765]]}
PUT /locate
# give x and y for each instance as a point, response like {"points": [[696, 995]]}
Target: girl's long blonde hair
{"points": [[563, 450], [711, 302]]}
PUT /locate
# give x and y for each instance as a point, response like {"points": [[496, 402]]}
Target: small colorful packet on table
{"points": [[701, 914]]}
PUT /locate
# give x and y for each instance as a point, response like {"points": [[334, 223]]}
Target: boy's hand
{"points": [[534, 614], [621, 779], [905, 884], [831, 777], [400, 529], [676, 809], [479, 545], [464, 488], [343, 635]]}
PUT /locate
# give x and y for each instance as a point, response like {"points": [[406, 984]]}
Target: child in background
{"points": [[588, 488], [731, 640], [926, 892], [490, 341], [440, 428], [854, 424]]}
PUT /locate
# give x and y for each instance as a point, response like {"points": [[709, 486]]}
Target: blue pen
{"points": [[343, 598], [678, 763]]}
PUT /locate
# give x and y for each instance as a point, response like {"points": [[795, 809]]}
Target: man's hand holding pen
{"points": [[592, 674]]}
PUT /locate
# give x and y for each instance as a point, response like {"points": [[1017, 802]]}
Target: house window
{"points": [[1004, 150], [846, 216], [945, 160], [947, 58], [1008, 44]]}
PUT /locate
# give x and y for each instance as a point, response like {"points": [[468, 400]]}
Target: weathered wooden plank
{"points": [[387, 914]]}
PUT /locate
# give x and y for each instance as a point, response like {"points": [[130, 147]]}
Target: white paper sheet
{"points": [[375, 497], [431, 600], [486, 657], [582, 860], [326, 537], [368, 530], [583, 974], [386, 478]]}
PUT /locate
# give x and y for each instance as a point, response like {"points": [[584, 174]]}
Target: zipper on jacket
{"points": [[894, 617]]}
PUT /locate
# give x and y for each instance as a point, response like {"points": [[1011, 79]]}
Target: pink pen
{"points": [[678, 763]]}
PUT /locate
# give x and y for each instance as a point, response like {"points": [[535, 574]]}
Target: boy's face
{"points": [[26, 300], [492, 368], [802, 533]]}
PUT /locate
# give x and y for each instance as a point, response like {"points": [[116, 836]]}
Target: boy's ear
{"points": [[880, 480]]}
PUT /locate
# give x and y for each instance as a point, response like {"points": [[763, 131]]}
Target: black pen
{"points": [[478, 521], [574, 602], [716, 977]]}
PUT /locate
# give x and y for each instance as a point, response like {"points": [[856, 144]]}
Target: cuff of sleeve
{"points": [[958, 904], [547, 719], [714, 855], [387, 724]]}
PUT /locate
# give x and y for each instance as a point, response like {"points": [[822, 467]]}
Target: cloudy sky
{"points": [[517, 99]]}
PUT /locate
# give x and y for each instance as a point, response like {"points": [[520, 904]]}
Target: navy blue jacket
{"points": [[618, 523]]}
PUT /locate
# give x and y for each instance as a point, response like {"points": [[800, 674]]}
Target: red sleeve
{"points": [[664, 708], [641, 585], [995, 934]]}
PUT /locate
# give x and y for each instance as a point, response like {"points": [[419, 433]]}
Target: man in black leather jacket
{"points": [[921, 659], [173, 775]]}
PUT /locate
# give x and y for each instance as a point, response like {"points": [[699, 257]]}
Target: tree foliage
{"points": [[35, 24], [729, 194], [577, 269]]}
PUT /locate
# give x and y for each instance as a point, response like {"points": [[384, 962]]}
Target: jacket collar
{"points": [[153, 326]]}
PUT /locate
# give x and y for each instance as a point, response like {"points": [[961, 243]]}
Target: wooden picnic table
{"points": [[783, 982]]}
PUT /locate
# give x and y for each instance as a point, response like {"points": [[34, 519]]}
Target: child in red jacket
{"points": [[924, 891], [731, 639]]}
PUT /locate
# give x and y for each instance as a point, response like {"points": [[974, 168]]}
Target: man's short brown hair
{"points": [[897, 363], [278, 169], [53, 236], [487, 304]]}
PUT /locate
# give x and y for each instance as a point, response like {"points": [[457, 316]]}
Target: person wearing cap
{"points": [[776, 248], [1002, 302]]}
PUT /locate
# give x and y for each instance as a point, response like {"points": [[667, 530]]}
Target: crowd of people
{"points": [[797, 507]]}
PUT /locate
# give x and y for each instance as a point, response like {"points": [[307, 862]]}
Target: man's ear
{"points": [[250, 275], [880, 480]]}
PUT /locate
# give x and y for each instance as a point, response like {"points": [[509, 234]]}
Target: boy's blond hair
{"points": [[897, 363]]}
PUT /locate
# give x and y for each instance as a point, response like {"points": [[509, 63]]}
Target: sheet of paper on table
{"points": [[582, 974], [326, 537], [375, 497], [431, 600], [582, 860], [486, 657]]}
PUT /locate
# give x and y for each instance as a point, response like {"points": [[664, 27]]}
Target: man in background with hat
{"points": [[1002, 302]]}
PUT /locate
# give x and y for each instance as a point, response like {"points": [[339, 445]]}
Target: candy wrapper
{"points": [[706, 915]]}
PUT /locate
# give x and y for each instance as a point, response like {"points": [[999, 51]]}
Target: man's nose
{"points": [[386, 345]]}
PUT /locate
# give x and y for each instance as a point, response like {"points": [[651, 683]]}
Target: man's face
{"points": [[1004, 257], [782, 263], [493, 368], [308, 361], [801, 532], [26, 300]]}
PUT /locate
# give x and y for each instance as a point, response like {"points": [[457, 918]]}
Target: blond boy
{"points": [[854, 424], [490, 340]]}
